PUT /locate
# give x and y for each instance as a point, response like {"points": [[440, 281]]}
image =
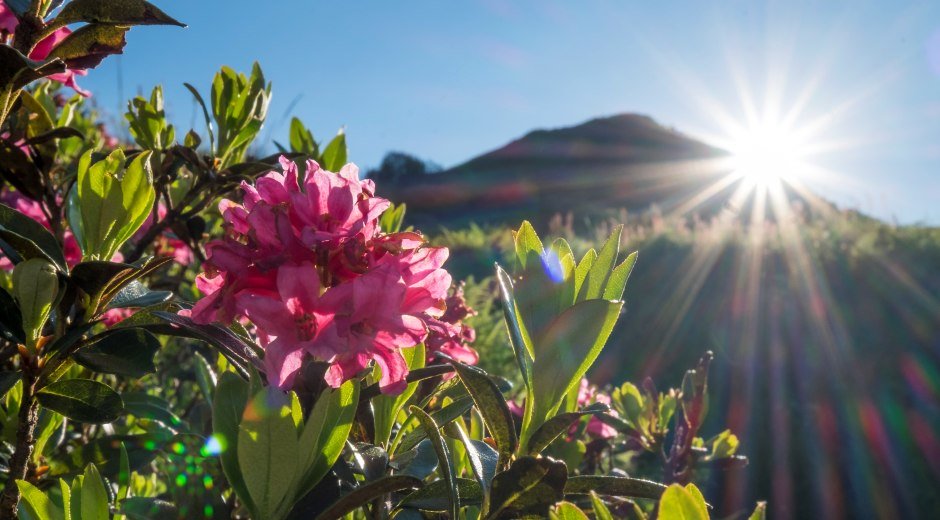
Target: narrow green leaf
{"points": [[443, 457], [436, 496], [368, 492], [118, 12], [518, 339], [528, 488], [601, 512], [94, 497], [614, 486], [492, 405], [618, 278], [597, 276], [552, 428], [760, 512]]}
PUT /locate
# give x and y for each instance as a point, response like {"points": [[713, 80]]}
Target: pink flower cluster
{"points": [[449, 334], [8, 23], [307, 263]]}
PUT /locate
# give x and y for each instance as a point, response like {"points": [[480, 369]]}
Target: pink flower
{"points": [[167, 244], [448, 334], [114, 316], [8, 24], [308, 264], [588, 394]]}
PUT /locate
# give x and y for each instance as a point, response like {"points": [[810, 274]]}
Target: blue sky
{"points": [[449, 80]]}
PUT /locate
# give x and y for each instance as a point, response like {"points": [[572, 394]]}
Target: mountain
{"points": [[627, 161]]}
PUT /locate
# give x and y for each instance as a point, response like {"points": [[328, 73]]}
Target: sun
{"points": [[766, 154]]}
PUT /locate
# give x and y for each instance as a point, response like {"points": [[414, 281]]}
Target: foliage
{"points": [[326, 369]]}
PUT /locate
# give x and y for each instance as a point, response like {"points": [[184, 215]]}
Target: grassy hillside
{"points": [[825, 323], [826, 336]]}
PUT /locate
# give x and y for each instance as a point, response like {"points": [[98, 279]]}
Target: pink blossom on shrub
{"points": [[588, 394], [448, 334], [8, 24], [307, 263], [166, 244]]}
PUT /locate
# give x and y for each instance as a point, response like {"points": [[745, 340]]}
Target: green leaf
{"points": [[618, 278], [113, 201], [581, 271], [682, 503], [601, 512], [141, 508], [492, 405], [35, 287], [94, 497], [528, 247], [93, 276], [529, 487], [40, 241], [724, 445], [37, 503], [566, 350], [205, 377], [117, 12], [301, 139], [82, 400], [444, 416], [124, 352], [436, 496], [483, 460], [552, 428], [325, 433], [146, 406], [231, 398], [88, 45], [267, 451], [760, 512], [596, 280], [568, 511], [614, 486], [385, 408], [366, 493], [443, 457], [518, 339], [334, 155]]}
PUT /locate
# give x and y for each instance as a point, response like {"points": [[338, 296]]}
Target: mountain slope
{"points": [[625, 161]]}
